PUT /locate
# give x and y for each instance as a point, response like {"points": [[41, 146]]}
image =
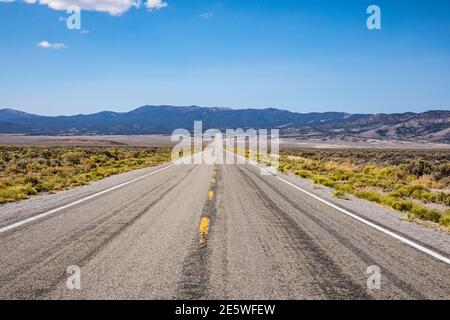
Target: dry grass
{"points": [[415, 182], [25, 171]]}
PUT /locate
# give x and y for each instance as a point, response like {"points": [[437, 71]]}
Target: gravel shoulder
{"points": [[393, 220], [16, 211]]}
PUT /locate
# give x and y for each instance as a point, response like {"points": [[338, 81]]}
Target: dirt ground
{"points": [[141, 140], [165, 140]]}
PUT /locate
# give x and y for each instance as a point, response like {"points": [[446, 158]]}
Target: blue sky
{"points": [[304, 56]]}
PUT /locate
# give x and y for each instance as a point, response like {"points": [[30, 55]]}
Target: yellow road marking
{"points": [[211, 195], [203, 230]]}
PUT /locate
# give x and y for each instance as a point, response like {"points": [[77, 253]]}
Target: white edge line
{"points": [[370, 224], [45, 214]]}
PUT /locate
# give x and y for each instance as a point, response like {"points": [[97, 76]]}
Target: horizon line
{"points": [[224, 108]]}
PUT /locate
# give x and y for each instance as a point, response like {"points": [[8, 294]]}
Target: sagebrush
{"points": [[26, 171]]}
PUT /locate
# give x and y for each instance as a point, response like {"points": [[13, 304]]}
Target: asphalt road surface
{"points": [[211, 232]]}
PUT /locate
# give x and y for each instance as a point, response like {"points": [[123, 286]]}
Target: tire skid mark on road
{"points": [[313, 202], [77, 233], [261, 238], [78, 249], [406, 287], [196, 270], [219, 290], [333, 282], [16, 233], [43, 215]]}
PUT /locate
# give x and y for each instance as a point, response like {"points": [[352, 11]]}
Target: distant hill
{"points": [[428, 126]]}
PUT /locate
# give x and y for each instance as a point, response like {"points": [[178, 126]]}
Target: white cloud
{"points": [[113, 7], [155, 4], [206, 15], [47, 45]]}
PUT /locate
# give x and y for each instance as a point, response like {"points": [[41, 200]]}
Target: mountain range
{"points": [[432, 126]]}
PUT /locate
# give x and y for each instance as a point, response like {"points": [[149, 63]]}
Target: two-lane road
{"points": [[210, 232]]}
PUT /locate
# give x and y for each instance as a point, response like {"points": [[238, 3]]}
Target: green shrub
{"points": [[345, 188], [425, 214], [441, 171], [30, 170], [303, 174], [445, 219], [369, 195], [72, 158], [339, 194], [400, 175], [433, 215], [323, 180], [418, 168], [389, 201], [402, 205]]}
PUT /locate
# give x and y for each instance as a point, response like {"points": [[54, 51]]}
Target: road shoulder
{"points": [[17, 211], [390, 219]]}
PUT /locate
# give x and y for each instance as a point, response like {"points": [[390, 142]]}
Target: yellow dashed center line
{"points": [[203, 230]]}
